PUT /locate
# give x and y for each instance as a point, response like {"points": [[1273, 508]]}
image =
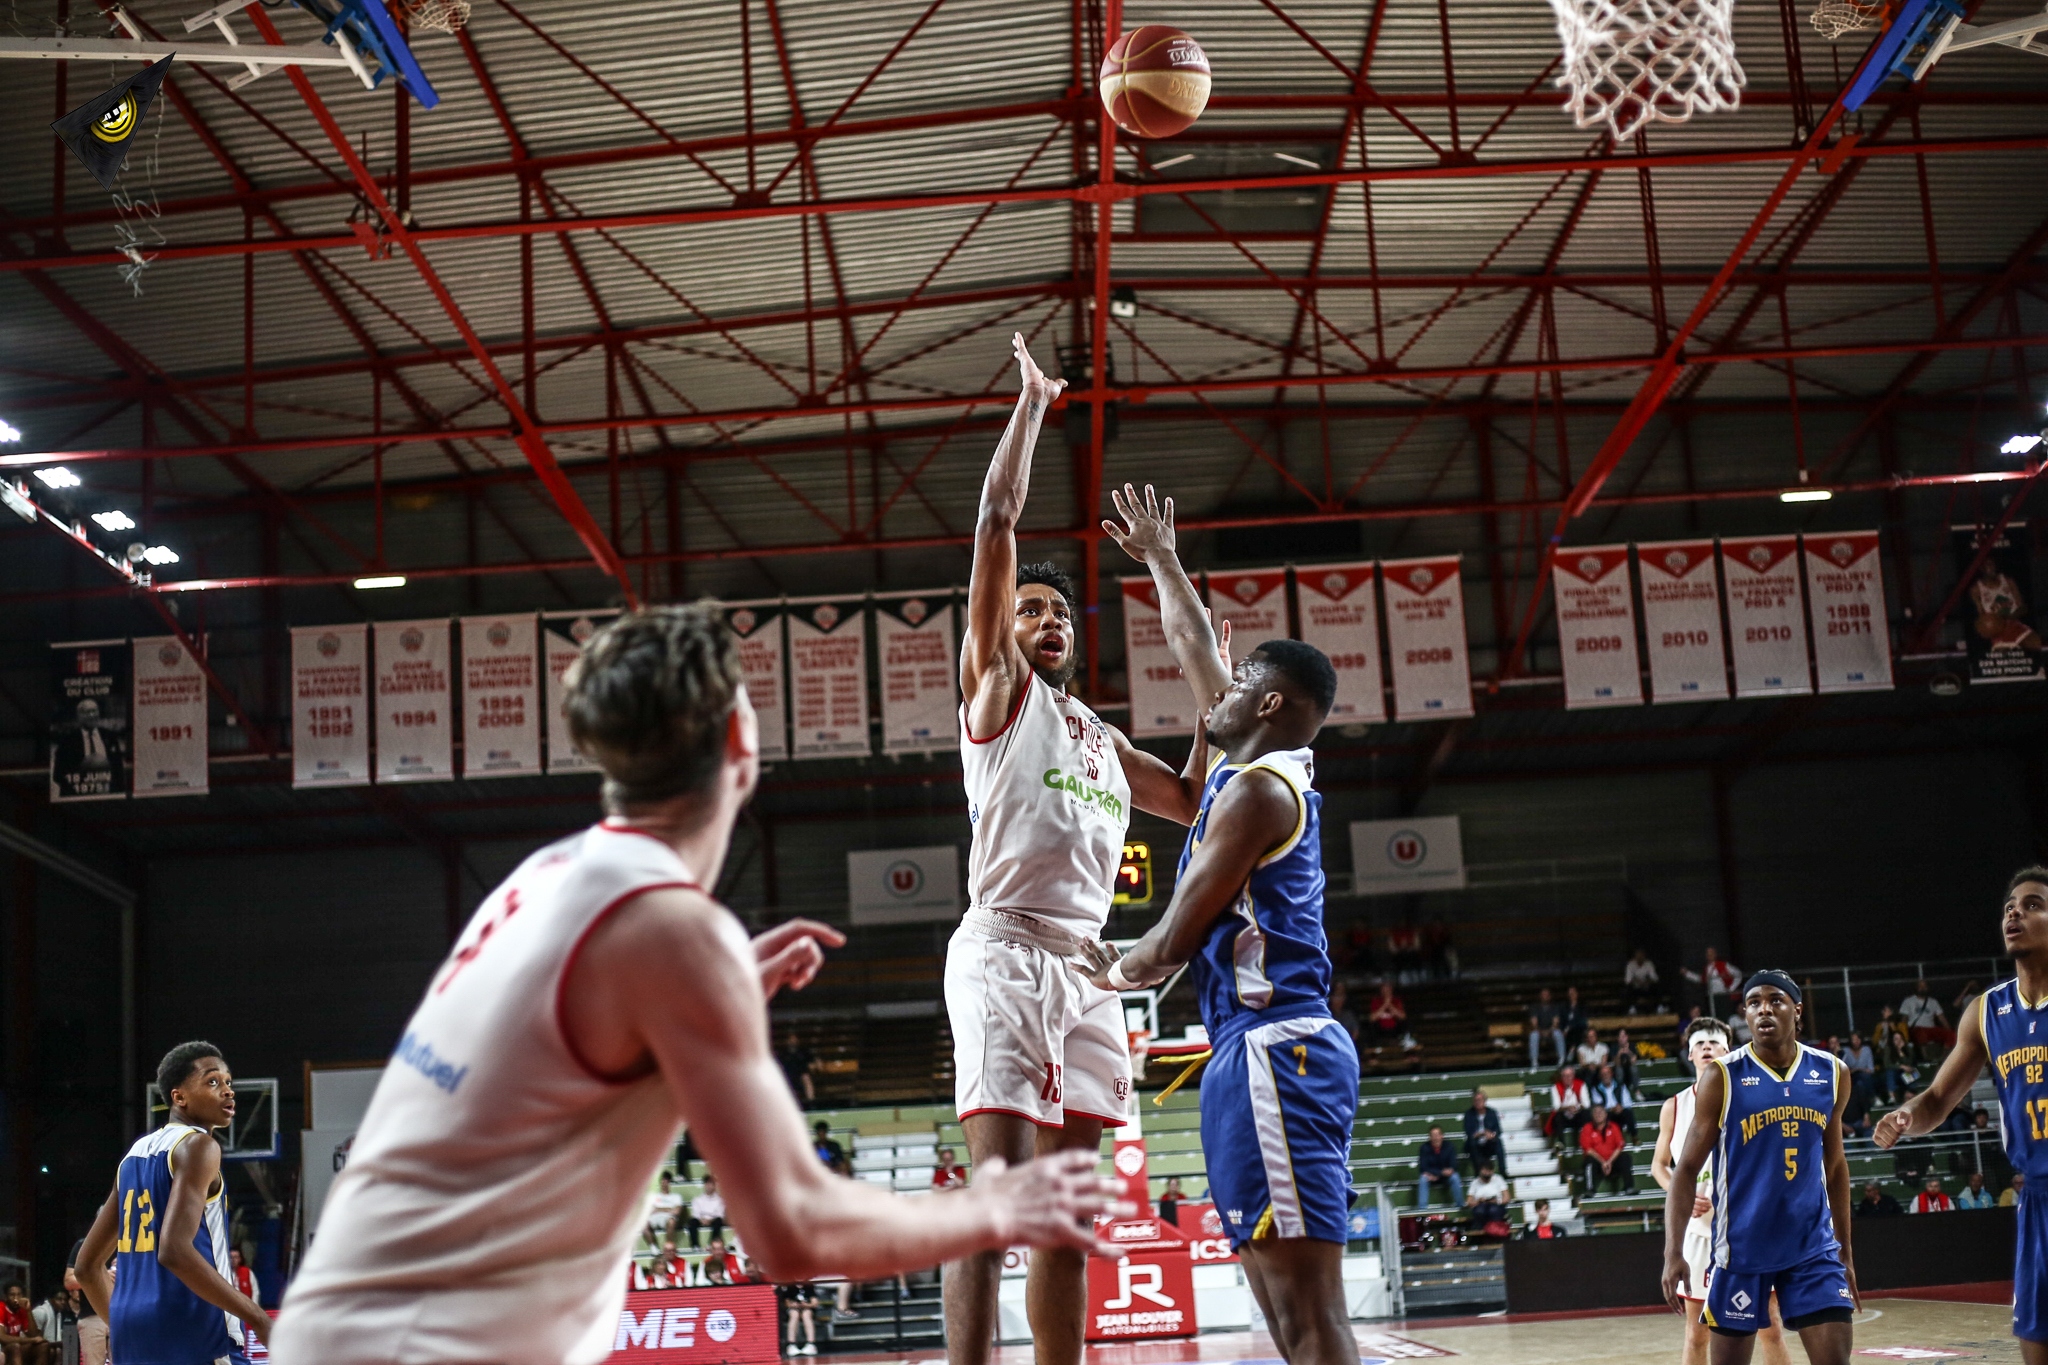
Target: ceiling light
{"points": [[57, 476], [113, 521], [389, 580], [2019, 445], [1123, 302], [8, 435], [1805, 495], [1298, 160], [1173, 161], [160, 554]]}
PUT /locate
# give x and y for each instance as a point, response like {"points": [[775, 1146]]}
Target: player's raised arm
{"points": [[991, 668], [1148, 537], [1958, 1073], [1710, 1097], [1837, 1163]]}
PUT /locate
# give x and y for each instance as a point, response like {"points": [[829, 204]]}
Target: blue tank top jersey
{"points": [[1770, 1178], [2019, 1054], [1268, 948], [154, 1319]]}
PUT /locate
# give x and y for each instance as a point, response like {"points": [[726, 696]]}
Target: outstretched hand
{"points": [[1893, 1126], [1051, 1201], [1148, 523], [1036, 385], [790, 954], [1094, 961]]}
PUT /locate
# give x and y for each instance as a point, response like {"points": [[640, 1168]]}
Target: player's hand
{"points": [[1893, 1126], [1094, 961], [1221, 625], [1855, 1294], [790, 955], [260, 1325], [1675, 1277], [1701, 1206], [1148, 524], [1050, 1202], [1035, 384]]}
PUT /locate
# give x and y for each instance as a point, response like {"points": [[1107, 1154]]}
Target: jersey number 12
{"points": [[137, 1235]]}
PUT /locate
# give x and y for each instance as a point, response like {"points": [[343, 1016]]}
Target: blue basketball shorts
{"points": [[2030, 1269], [1738, 1304], [1278, 1103]]}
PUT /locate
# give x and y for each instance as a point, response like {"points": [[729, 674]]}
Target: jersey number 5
{"points": [[1791, 1163], [137, 1235]]}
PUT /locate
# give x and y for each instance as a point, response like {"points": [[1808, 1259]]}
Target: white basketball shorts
{"points": [[1030, 1036], [1699, 1255]]}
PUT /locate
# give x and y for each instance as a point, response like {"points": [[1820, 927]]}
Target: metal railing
{"points": [[1844, 1000]]}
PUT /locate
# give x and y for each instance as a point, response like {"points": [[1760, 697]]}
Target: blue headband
{"points": [[1773, 977]]}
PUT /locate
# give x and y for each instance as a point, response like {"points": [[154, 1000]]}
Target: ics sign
{"points": [[1134, 876], [732, 1325]]}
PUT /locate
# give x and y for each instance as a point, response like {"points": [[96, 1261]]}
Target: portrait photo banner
{"points": [[762, 628], [1766, 616], [1596, 627], [920, 673], [1340, 615], [1431, 666], [1254, 601], [1852, 638], [828, 678], [1161, 701], [562, 637], [500, 696], [1682, 620], [89, 711], [2001, 628], [169, 719], [330, 706], [415, 702]]}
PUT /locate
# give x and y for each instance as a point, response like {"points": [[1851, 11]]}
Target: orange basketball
{"points": [[1155, 81]]}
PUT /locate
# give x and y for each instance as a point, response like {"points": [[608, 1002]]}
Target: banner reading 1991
{"points": [[170, 719], [330, 706]]}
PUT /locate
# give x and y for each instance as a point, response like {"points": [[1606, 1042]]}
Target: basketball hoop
{"points": [[443, 16], [1836, 17], [1630, 61]]}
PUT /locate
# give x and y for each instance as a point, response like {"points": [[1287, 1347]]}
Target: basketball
{"points": [[1155, 81]]}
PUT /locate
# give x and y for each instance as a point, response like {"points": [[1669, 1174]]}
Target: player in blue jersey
{"points": [[2007, 1026], [171, 1299], [1281, 1090], [1770, 1116]]}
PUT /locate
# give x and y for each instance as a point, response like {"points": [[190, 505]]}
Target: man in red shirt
{"points": [[20, 1339], [245, 1279], [947, 1175], [1931, 1199], [1606, 1149], [1542, 1229]]}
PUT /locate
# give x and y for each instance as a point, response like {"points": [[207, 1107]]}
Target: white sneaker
{"points": [[791, 1349], [811, 1349]]}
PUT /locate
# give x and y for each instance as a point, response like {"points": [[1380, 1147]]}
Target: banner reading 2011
{"points": [[1596, 627], [1852, 639], [1426, 635]]}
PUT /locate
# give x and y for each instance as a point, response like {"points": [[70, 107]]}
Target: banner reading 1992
{"points": [[330, 706], [1596, 627], [1426, 634], [1340, 616]]}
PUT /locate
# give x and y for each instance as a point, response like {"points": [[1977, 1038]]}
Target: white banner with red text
{"points": [[760, 627], [715, 1325], [828, 677], [500, 696], [1431, 667], [1161, 701], [415, 703], [1340, 615], [169, 752], [330, 706], [1254, 601], [1596, 627], [1852, 639], [920, 673], [562, 637], [1766, 616], [1682, 620]]}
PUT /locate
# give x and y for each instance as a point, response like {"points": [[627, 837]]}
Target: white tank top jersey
{"points": [[498, 1182], [1681, 1124], [1050, 805]]}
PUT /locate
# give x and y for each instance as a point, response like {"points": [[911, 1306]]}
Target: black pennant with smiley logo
{"points": [[99, 131]]}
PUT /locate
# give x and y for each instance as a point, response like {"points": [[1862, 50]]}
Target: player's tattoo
{"points": [[1032, 409]]}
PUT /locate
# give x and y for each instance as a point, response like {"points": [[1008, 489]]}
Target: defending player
{"points": [[172, 1298], [1769, 1114], [1281, 1090], [1705, 1041], [1041, 1060], [2000, 1027], [599, 997]]}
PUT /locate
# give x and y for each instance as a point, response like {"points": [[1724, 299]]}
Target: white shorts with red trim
{"points": [[1030, 1036], [1698, 1249]]}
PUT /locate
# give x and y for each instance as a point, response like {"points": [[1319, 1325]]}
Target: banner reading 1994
{"points": [[1596, 627], [415, 714], [1426, 635], [500, 696], [1340, 616]]}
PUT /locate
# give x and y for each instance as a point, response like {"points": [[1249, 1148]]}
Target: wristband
{"points": [[1117, 979]]}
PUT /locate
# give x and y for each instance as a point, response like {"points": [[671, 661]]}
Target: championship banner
{"points": [[920, 673], [1852, 639], [2001, 628], [713, 1325], [170, 719], [1766, 616], [1162, 703], [1426, 636], [1254, 601], [562, 637], [330, 706], [761, 627], [500, 696], [415, 715], [1340, 616], [1682, 620], [1596, 627], [828, 677], [89, 721]]}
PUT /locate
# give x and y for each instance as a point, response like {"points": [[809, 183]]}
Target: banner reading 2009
{"points": [[1596, 627], [500, 696]]}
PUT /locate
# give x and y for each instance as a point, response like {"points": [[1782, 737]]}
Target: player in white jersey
{"points": [[598, 998], [1041, 1060]]}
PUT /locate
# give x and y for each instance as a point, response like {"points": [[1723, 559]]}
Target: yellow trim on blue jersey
{"points": [[1727, 1089], [1984, 1020], [1215, 758], [1785, 1079], [1300, 810], [1264, 1227], [2020, 996]]}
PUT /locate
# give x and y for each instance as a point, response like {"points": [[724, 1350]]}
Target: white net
{"points": [[444, 16], [1836, 17], [1630, 61]]}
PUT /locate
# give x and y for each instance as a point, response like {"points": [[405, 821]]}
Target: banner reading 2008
{"points": [[1426, 634], [500, 696]]}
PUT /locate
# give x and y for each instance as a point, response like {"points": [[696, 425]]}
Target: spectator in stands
{"points": [[1717, 977], [1487, 1198], [829, 1152], [1404, 946], [1542, 1227], [1619, 1101], [801, 1303], [947, 1174], [1482, 1131], [1387, 1018], [1926, 1024], [1974, 1195], [58, 1322], [92, 1328], [1441, 949], [1932, 1198], [1639, 983], [1607, 1158], [1893, 1053], [1568, 1100], [1341, 1011], [714, 1270], [707, 1212], [1575, 1023], [1169, 1202], [2010, 1195], [1875, 1203], [1437, 1164], [797, 1064], [1624, 1060], [19, 1338], [1862, 1064], [1592, 1053], [662, 1211], [1546, 1020]]}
